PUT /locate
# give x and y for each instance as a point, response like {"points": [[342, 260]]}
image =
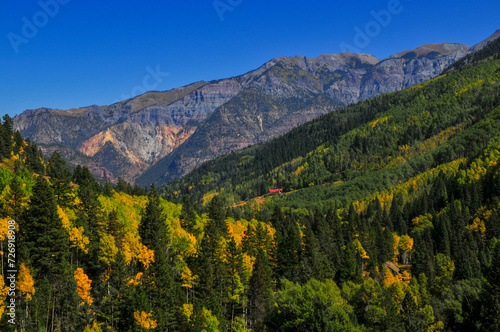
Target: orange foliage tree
{"points": [[25, 282], [145, 320], [83, 286]]}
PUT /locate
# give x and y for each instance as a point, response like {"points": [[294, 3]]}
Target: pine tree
{"points": [[188, 216], [114, 227], [326, 240], [107, 190], [7, 135], [15, 199], [396, 216], [259, 289], [60, 177], [289, 252], [34, 158], [236, 276], [278, 219], [349, 268], [212, 270], [44, 238], [18, 142], [152, 228], [122, 186], [138, 191], [3, 148], [90, 216], [492, 292], [163, 292], [409, 310], [115, 288], [441, 236], [217, 215], [57, 168]]}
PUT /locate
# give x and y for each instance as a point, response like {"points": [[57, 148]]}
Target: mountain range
{"points": [[161, 136]]}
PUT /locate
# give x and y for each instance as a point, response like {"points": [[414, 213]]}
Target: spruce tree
{"points": [[7, 135], [289, 252], [217, 215], [235, 278], [18, 142], [152, 228], [3, 148], [60, 177], [259, 289], [15, 198], [43, 236], [349, 269], [34, 158], [492, 292], [107, 190], [90, 216], [188, 216], [212, 269], [163, 292]]}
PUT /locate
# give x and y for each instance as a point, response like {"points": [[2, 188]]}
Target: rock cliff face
{"points": [[129, 136], [159, 136]]}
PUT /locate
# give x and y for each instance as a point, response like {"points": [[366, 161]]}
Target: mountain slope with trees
{"points": [[371, 145], [409, 240]]}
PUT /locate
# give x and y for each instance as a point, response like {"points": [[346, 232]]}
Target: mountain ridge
{"points": [[132, 136]]}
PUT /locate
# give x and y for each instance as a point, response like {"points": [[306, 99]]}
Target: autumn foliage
{"points": [[83, 286]]}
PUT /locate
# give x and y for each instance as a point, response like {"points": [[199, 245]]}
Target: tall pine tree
{"points": [[163, 291]]}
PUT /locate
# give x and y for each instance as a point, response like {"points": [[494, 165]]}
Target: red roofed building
{"points": [[274, 191]]}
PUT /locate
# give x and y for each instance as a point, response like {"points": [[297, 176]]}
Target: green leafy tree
{"points": [[315, 306]]}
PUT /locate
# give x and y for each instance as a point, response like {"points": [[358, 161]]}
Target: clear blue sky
{"points": [[97, 52]]}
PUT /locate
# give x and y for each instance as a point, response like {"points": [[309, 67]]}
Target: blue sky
{"points": [[77, 53]]}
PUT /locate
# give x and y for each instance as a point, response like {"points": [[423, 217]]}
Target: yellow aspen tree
{"points": [[359, 248], [406, 245], [25, 282], [145, 320], [187, 277], [83, 286], [389, 277], [4, 290], [95, 328], [78, 239], [108, 249], [4, 230], [127, 252], [146, 256], [135, 281], [187, 311], [396, 246], [64, 218]]}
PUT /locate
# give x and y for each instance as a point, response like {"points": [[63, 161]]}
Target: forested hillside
{"points": [[394, 226], [365, 147]]}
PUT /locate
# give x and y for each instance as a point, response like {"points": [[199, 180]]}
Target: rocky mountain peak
{"points": [[347, 59], [435, 49], [348, 56], [483, 43]]}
